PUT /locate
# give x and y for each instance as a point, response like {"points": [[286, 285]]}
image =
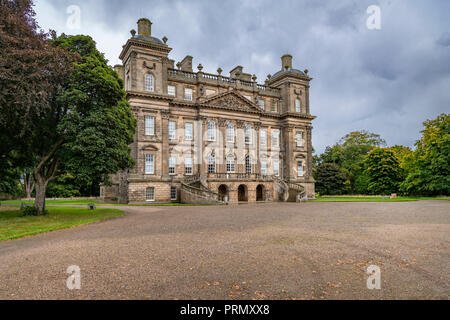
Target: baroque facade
{"points": [[210, 138]]}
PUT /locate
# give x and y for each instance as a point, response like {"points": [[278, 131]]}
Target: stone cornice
{"points": [[144, 44], [288, 75], [297, 116], [206, 104]]}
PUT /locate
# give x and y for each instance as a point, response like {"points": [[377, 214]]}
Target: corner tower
{"points": [[145, 61], [296, 117]]}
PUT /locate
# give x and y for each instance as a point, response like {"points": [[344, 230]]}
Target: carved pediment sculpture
{"points": [[232, 100]]}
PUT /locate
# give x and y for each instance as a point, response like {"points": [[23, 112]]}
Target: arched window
{"points": [[231, 164], [211, 131], [211, 163], [230, 133], [149, 82], [298, 105], [248, 165]]}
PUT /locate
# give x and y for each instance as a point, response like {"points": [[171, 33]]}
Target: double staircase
{"points": [[194, 189], [290, 191]]}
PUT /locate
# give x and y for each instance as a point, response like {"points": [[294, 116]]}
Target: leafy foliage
{"points": [[349, 154], [31, 69], [61, 105], [28, 211], [383, 171], [64, 186], [429, 165], [330, 179]]}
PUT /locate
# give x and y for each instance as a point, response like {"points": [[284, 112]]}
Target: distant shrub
{"points": [[28, 211]]}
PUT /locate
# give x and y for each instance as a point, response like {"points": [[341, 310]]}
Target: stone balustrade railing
{"points": [[214, 78], [192, 179], [240, 176]]}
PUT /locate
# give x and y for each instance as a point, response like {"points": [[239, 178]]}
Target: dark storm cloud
{"points": [[387, 81]]}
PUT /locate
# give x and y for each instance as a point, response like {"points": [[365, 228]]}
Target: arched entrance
{"points": [[260, 190], [242, 193], [223, 193]]}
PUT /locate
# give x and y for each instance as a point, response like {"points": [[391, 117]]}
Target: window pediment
{"points": [[149, 147]]}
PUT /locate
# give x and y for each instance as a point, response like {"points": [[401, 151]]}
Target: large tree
{"points": [[429, 166], [30, 70], [349, 154], [89, 127], [330, 180], [383, 171]]}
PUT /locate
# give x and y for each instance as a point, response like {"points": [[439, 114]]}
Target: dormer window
{"points": [[149, 83]]}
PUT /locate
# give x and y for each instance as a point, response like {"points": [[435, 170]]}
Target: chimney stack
{"points": [[286, 62], [144, 27]]}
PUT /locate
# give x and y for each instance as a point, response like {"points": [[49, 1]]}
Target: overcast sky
{"points": [[387, 81]]}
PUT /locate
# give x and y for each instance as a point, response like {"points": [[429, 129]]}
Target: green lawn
{"points": [[373, 199], [86, 202], [13, 226]]}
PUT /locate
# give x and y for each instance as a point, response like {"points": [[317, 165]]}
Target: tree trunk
{"points": [[41, 188], [29, 185]]}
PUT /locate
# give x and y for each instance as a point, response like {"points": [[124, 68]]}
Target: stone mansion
{"points": [[211, 138]]}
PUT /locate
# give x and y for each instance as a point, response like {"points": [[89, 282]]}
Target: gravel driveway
{"points": [[268, 251]]}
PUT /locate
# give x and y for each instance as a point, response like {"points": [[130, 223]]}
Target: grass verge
{"points": [[14, 226], [87, 202], [374, 199]]}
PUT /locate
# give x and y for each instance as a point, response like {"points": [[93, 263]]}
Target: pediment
{"points": [[149, 147], [300, 156], [231, 100]]}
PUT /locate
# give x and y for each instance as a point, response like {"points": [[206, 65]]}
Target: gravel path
{"points": [[268, 251]]}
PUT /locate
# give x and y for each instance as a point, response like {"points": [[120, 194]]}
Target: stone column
{"points": [[222, 143], [201, 127], [257, 127], [307, 99], [165, 115], [133, 71], [309, 161], [241, 147], [289, 154]]}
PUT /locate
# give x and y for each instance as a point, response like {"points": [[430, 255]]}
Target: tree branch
{"points": [[49, 156]]}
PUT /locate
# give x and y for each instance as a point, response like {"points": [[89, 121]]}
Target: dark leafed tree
{"points": [[30, 70], [62, 107], [330, 180], [350, 153], [89, 126], [383, 171]]}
